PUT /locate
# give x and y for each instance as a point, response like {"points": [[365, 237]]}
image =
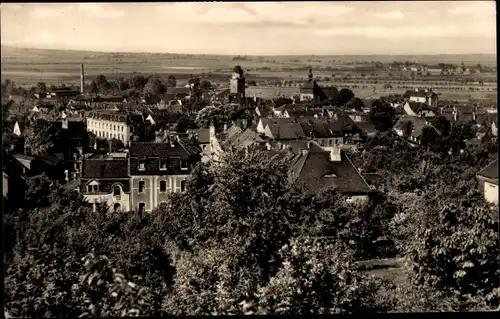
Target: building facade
{"points": [[106, 180], [488, 182], [157, 169], [110, 125]]}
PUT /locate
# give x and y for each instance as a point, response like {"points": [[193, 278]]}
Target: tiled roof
{"points": [[419, 124], [108, 116], [162, 150], [105, 168], [286, 131], [490, 171], [242, 138], [310, 84], [366, 127], [418, 107], [295, 146], [315, 170], [322, 130], [203, 135]]}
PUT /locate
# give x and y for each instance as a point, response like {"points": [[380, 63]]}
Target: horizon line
{"points": [[248, 55]]}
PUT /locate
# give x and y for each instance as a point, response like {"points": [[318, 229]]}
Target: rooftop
{"points": [[490, 171]]}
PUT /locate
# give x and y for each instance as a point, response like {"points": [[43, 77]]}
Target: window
{"points": [[114, 127], [183, 186], [163, 165], [77, 167], [141, 186], [163, 186], [142, 206], [93, 188], [184, 165], [142, 165], [116, 207], [116, 191]]}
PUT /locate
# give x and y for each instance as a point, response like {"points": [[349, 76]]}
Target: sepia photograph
{"points": [[249, 158]]}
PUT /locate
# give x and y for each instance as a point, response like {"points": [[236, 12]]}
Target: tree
{"points": [[138, 82], [442, 124], [41, 137], [382, 115], [453, 255], [41, 87], [317, 278], [171, 81], [355, 103], [38, 190], [102, 84], [154, 86], [345, 95], [408, 129], [210, 115], [205, 86], [185, 123]]}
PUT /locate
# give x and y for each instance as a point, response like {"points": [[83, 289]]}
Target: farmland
{"points": [[26, 67]]}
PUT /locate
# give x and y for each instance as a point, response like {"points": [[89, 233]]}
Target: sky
{"points": [[256, 28]]}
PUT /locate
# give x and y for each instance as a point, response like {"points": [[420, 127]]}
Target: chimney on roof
{"points": [[303, 152], [225, 127], [82, 79], [335, 154]]}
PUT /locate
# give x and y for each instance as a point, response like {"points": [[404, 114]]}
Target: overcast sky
{"points": [[428, 27]]}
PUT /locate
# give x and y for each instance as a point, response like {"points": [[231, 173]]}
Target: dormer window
{"points": [[142, 164], [184, 165], [92, 188], [163, 165]]}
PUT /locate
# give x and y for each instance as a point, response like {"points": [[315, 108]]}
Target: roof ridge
{"points": [[487, 166]]}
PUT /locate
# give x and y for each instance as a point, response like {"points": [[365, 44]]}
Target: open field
{"points": [[26, 67]]}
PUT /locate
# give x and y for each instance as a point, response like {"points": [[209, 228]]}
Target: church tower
{"points": [[237, 86]]}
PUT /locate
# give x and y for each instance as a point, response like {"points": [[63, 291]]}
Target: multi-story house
{"points": [[157, 169], [106, 180], [423, 96], [488, 182], [110, 124]]}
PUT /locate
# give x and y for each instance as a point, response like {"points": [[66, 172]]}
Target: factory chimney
{"points": [[82, 79]]}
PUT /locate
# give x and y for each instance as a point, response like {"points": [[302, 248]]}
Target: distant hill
{"points": [[27, 66], [14, 53]]}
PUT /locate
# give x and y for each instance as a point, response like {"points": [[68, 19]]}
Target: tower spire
{"points": [[310, 73]]}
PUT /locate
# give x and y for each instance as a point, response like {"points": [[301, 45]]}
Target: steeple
{"points": [[310, 73]]}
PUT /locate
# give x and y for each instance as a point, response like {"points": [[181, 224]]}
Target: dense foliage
{"points": [[217, 246], [242, 240]]}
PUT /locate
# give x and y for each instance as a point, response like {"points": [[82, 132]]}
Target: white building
{"points": [[110, 125]]}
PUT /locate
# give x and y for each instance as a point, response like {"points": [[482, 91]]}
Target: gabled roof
{"points": [[315, 170], [286, 131], [295, 146], [105, 168], [162, 150], [245, 138], [366, 126], [419, 124], [203, 135], [417, 107], [490, 171]]}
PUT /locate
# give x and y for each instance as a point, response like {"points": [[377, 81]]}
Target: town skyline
{"points": [[268, 28]]}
